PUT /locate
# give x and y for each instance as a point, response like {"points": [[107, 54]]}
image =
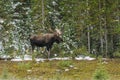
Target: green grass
{"points": [[56, 70]]}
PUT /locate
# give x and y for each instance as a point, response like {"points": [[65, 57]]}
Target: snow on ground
{"points": [[25, 58], [89, 58], [29, 57], [81, 57], [4, 57]]}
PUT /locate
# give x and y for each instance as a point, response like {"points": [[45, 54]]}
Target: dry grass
{"points": [[53, 70]]}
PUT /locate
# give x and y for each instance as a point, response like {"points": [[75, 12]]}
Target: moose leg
{"points": [[33, 47], [38, 50], [48, 49]]}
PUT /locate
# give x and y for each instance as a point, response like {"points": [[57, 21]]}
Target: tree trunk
{"points": [[106, 41], [43, 14], [88, 34], [118, 10], [105, 27], [88, 28], [100, 25]]}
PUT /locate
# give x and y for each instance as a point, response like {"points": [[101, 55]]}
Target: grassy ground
{"points": [[57, 70]]}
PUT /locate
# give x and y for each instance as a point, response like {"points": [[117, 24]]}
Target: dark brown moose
{"points": [[46, 40]]}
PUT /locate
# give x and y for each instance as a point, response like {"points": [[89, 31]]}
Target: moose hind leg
{"points": [[32, 50], [48, 49]]}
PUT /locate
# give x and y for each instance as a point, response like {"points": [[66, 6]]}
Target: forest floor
{"points": [[57, 69]]}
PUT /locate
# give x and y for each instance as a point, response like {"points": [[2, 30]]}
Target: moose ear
{"points": [[58, 31]]}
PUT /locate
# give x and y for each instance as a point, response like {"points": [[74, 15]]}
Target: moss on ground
{"points": [[59, 70]]}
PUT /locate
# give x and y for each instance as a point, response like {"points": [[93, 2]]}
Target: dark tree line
{"points": [[89, 26]]}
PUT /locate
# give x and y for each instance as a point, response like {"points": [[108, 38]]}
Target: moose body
{"points": [[45, 40]]}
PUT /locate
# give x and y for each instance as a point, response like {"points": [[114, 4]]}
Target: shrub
{"points": [[24, 66], [116, 54], [57, 51], [5, 73], [100, 73], [80, 51], [64, 64]]}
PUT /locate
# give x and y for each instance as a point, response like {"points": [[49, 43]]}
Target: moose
{"points": [[46, 40]]}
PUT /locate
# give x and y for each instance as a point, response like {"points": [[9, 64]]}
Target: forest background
{"points": [[88, 26]]}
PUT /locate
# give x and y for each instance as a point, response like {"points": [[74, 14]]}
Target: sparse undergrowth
{"points": [[57, 70]]}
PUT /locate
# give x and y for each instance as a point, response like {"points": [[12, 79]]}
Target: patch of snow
{"points": [[1, 20], [54, 3], [25, 58], [29, 58], [58, 58], [3, 56], [89, 58], [17, 59], [55, 55], [66, 70], [50, 12], [40, 59], [79, 58], [71, 66], [82, 57], [29, 70], [15, 5], [75, 68]]}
